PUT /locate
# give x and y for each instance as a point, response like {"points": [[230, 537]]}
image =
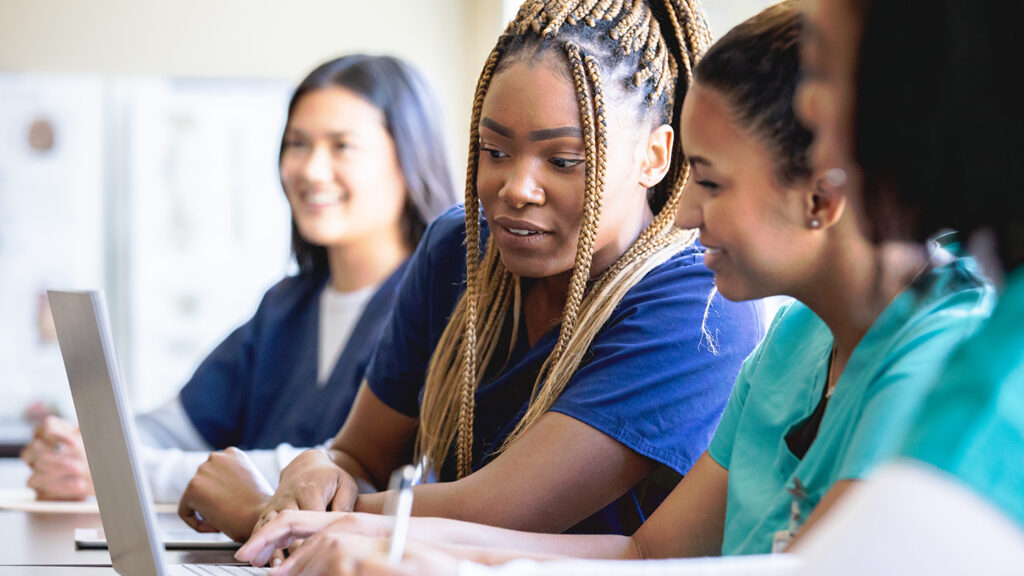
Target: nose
{"points": [[689, 213], [521, 188], [318, 166]]}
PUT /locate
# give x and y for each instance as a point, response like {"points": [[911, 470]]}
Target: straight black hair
{"points": [[411, 117]]}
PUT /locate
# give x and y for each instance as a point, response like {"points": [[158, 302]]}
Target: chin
{"points": [[321, 238], [528, 268], [735, 291]]}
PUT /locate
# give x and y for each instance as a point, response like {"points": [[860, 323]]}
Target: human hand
{"points": [[226, 495], [292, 525], [340, 553], [281, 531], [311, 482], [57, 459]]}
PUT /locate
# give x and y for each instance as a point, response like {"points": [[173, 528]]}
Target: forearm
{"points": [[354, 469], [170, 470], [493, 545], [482, 499], [170, 427], [764, 565], [481, 541]]}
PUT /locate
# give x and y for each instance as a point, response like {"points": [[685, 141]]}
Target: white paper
{"points": [[912, 519], [24, 499]]}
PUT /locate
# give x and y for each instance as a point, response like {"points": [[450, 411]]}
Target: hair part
{"points": [[635, 52], [412, 119]]}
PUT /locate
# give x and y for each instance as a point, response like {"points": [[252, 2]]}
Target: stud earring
{"points": [[815, 223]]}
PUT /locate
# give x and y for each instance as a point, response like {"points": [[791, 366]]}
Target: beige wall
{"points": [[724, 14], [448, 39]]}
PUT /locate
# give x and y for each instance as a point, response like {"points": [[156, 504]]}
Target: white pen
{"points": [[399, 507]]}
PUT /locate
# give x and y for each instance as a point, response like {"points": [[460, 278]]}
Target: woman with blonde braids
{"points": [[827, 395], [582, 356]]}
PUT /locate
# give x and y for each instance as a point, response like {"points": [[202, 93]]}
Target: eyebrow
{"points": [[552, 133], [699, 160], [338, 134], [495, 127], [535, 135]]}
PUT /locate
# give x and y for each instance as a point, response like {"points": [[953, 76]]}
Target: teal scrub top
{"points": [[971, 425], [867, 416]]}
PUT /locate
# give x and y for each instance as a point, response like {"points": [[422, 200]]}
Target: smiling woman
{"points": [[363, 168], [529, 180], [343, 179], [549, 358], [825, 397]]}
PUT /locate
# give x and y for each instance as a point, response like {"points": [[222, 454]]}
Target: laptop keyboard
{"points": [[220, 570]]}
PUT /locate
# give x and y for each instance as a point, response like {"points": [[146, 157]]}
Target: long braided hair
{"points": [[648, 49]]}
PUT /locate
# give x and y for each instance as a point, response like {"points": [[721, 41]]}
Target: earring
{"points": [[835, 177], [815, 223]]}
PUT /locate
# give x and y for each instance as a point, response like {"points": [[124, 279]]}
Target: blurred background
{"points": [[138, 155]]}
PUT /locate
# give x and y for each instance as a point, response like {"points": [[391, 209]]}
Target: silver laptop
{"points": [[108, 433]]}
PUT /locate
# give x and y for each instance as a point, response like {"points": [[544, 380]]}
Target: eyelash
{"points": [[711, 187], [565, 163], [493, 153], [559, 163], [292, 144]]}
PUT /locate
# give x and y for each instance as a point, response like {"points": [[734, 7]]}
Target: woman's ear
{"points": [[657, 156], [825, 202]]}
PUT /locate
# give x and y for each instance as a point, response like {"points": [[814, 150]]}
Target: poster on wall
{"points": [[209, 223], [51, 227], [163, 193]]}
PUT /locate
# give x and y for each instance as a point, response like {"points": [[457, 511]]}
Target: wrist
{"points": [[346, 496], [256, 512]]}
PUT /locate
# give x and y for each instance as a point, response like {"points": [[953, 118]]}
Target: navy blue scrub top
{"points": [[650, 379], [259, 387]]}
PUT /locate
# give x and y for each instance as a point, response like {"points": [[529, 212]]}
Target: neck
{"points": [[856, 283], [543, 303], [626, 236], [544, 299], [366, 261]]}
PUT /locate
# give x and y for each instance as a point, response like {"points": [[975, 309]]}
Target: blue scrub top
{"points": [[649, 380], [259, 387], [866, 418], [972, 423]]}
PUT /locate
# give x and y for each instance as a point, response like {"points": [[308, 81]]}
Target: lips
{"points": [[519, 227], [518, 233], [712, 255]]}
